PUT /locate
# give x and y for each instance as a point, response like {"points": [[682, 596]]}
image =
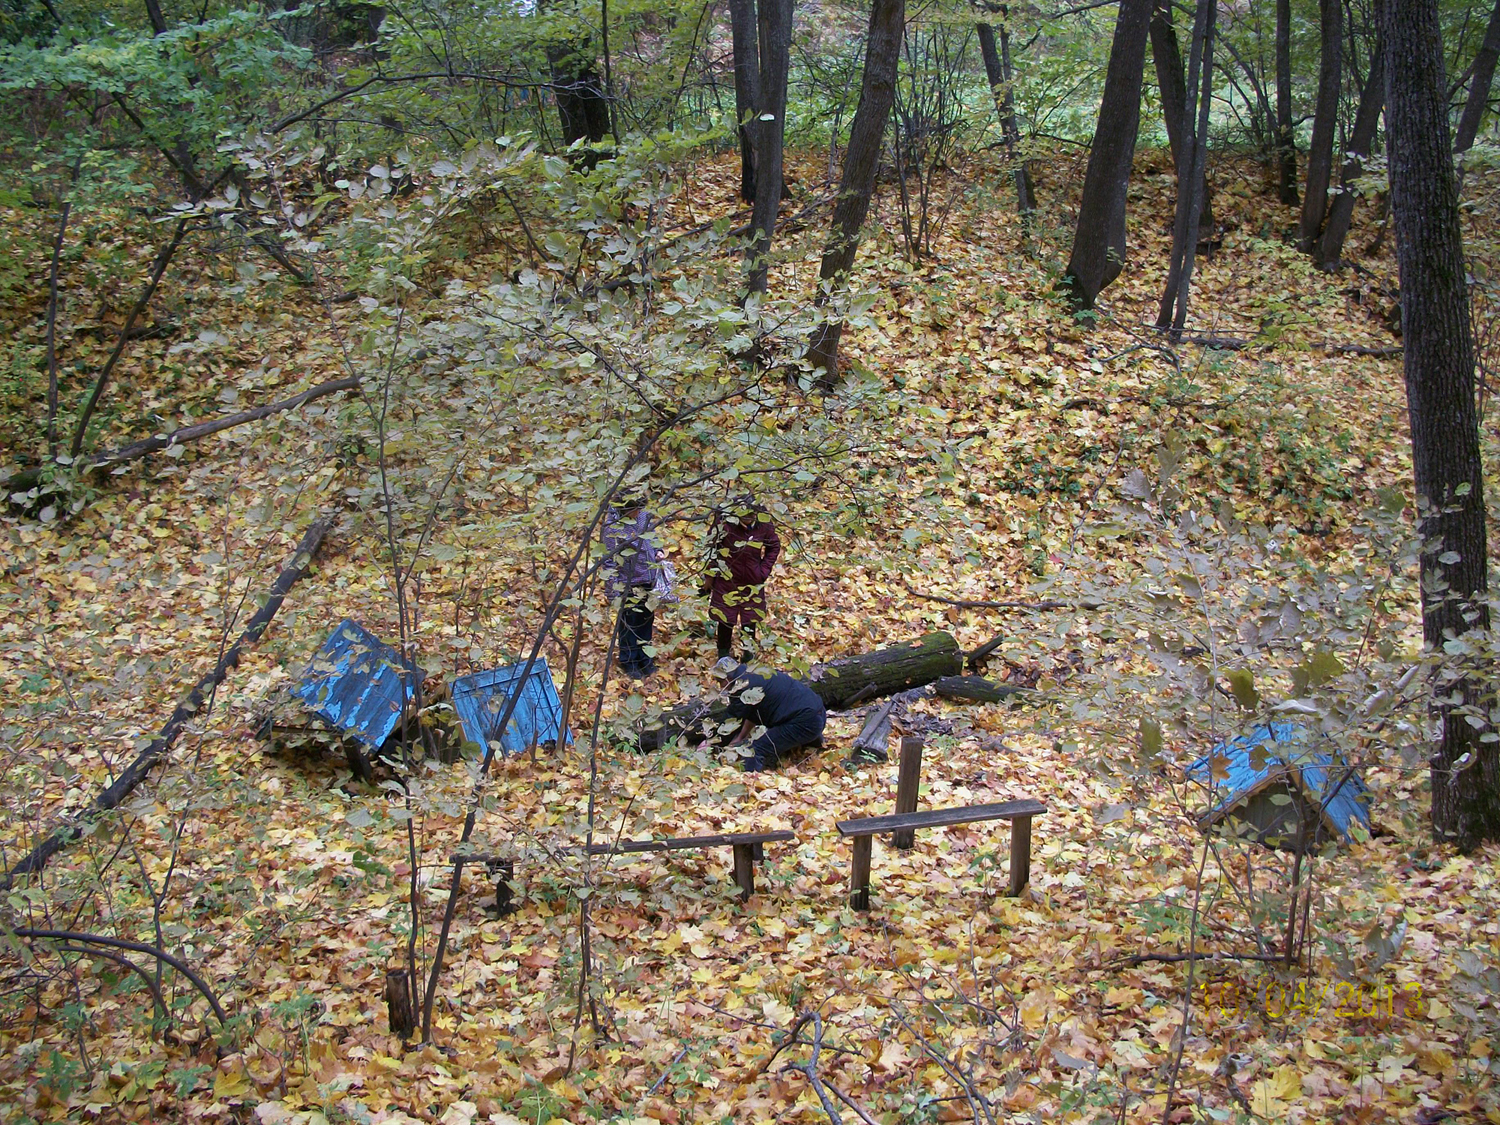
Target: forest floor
{"points": [[289, 883]]}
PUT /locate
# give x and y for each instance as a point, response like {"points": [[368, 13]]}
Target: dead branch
{"points": [[29, 478], [1173, 958], [65, 833], [964, 603], [137, 946]]}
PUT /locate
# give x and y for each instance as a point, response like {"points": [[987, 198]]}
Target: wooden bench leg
{"points": [[859, 879], [758, 852], [1020, 854], [908, 781], [744, 869]]}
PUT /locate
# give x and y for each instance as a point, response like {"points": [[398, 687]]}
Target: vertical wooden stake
{"points": [[758, 852], [1020, 854], [908, 781], [859, 877], [398, 1004], [744, 870]]}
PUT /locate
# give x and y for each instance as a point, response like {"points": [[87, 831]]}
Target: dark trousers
{"points": [[801, 729], [725, 638], [636, 623]]}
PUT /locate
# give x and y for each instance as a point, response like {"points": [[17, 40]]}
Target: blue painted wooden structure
{"points": [[480, 700], [359, 684], [1326, 796]]}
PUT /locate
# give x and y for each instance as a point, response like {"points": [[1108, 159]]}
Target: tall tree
{"points": [[1438, 356], [1191, 167], [1479, 85], [1325, 125], [775, 27], [1099, 239], [997, 70], [582, 104], [1361, 141], [1286, 141], [876, 93], [744, 36], [1173, 86]]}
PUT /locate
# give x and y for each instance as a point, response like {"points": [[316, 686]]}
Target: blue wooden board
{"points": [[481, 699], [359, 684], [1285, 745]]}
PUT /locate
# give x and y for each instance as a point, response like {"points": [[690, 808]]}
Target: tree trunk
{"points": [[398, 1005], [1099, 239], [1286, 141], [1361, 141], [1173, 87], [742, 28], [998, 71], [775, 19], [841, 685], [1479, 85], [1439, 364], [1191, 168], [1325, 124], [861, 158], [582, 107]]}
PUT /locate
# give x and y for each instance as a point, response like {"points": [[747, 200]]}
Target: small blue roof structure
{"points": [[359, 684], [480, 700], [1325, 794]]}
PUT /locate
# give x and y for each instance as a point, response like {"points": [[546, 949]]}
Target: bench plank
{"points": [[939, 818], [679, 843]]}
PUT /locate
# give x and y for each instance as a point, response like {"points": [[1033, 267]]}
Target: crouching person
{"points": [[790, 711]]}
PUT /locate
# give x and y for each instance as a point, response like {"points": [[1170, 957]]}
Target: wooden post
{"points": [[398, 1005], [1020, 854], [859, 879], [744, 869], [908, 781], [759, 852]]}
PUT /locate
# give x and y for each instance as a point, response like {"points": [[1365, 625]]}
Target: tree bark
{"points": [[1099, 239], [582, 106], [1325, 125], [775, 22], [743, 33], [1191, 168], [1479, 85], [1286, 141], [1361, 141], [1439, 365], [977, 689], [122, 786], [1173, 87], [861, 159], [841, 685], [997, 70]]}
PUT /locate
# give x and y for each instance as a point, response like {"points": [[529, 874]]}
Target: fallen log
{"points": [[29, 478], [840, 685], [977, 689], [64, 834]]}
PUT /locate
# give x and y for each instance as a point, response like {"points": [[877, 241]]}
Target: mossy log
{"points": [[841, 685], [978, 689]]}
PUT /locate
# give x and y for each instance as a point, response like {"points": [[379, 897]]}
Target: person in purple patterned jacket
{"points": [[631, 564]]}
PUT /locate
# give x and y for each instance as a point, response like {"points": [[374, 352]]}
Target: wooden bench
{"points": [[747, 849], [863, 832]]}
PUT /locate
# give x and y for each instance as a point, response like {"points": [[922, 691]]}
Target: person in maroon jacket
{"points": [[743, 547]]}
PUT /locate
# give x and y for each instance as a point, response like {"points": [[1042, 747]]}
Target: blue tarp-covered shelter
{"points": [[1276, 784], [359, 684], [481, 699]]}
